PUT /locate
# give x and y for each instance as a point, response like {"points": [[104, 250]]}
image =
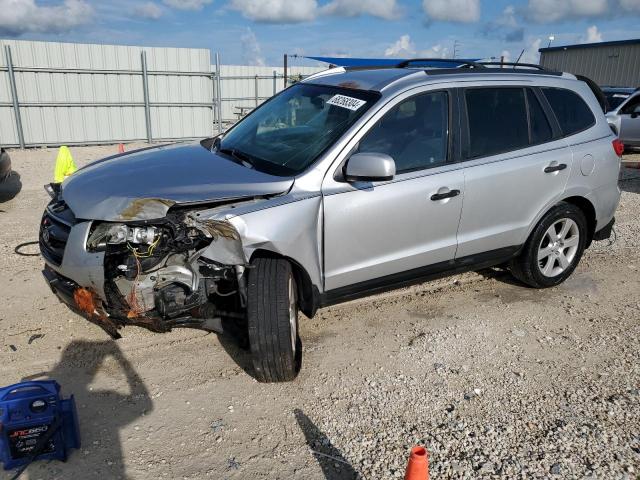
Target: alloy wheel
{"points": [[558, 247]]}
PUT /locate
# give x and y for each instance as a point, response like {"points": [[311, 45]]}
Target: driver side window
{"points": [[414, 133]]}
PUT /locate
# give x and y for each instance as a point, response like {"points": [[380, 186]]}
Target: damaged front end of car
{"points": [[179, 271]]}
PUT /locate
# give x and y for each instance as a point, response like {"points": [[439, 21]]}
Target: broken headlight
{"points": [[105, 234]]}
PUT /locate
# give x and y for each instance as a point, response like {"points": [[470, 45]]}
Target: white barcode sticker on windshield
{"points": [[346, 102]]}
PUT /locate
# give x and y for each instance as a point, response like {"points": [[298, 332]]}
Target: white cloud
{"points": [[544, 11], [251, 50], [592, 35], [630, 5], [463, 11], [437, 51], [386, 9], [26, 16], [148, 10], [404, 47], [506, 55], [505, 27], [187, 4], [276, 11], [531, 54], [508, 17]]}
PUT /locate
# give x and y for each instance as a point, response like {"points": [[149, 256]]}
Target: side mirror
{"points": [[369, 167]]}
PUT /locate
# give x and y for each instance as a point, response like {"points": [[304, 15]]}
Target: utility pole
{"points": [[286, 58], [456, 44]]}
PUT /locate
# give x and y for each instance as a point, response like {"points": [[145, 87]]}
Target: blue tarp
{"points": [[383, 62]]}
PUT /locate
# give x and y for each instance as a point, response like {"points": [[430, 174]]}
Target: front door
{"points": [[630, 121], [381, 229]]}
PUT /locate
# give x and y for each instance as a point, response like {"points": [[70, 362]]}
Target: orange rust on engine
{"points": [[85, 300]]}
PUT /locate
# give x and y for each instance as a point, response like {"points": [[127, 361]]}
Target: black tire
{"points": [[276, 350], [528, 269]]}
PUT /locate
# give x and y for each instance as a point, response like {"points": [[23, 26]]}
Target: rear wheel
{"points": [[272, 315], [553, 249]]}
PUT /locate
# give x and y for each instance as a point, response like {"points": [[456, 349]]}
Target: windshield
{"points": [[615, 99], [286, 134]]}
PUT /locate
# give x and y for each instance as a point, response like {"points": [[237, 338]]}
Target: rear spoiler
{"points": [[597, 91]]}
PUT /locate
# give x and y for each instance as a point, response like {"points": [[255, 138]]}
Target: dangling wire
{"points": [[146, 254]]}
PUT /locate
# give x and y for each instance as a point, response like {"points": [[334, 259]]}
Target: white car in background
{"points": [[625, 121]]}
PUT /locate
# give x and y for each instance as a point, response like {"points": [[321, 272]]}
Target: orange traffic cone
{"points": [[418, 466], [120, 148]]}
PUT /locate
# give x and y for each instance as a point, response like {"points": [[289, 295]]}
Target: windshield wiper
{"points": [[241, 157]]}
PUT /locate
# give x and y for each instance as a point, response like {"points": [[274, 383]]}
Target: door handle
{"points": [[555, 168], [441, 196]]}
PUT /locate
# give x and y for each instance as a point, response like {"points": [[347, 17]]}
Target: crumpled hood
{"points": [[143, 185]]}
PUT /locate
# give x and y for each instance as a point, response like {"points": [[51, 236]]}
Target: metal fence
{"points": [[244, 87], [54, 93], [62, 93]]}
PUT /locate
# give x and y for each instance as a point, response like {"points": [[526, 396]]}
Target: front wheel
{"points": [[272, 316], [553, 249]]}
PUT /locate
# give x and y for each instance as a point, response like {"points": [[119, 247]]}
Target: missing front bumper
{"points": [[88, 305], [80, 300]]}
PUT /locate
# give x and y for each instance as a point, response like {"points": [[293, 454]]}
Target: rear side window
{"points": [[572, 112], [540, 129], [497, 120]]}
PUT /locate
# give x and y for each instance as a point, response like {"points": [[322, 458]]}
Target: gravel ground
{"points": [[497, 380]]}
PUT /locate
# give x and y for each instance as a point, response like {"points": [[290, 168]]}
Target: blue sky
{"points": [[260, 31]]}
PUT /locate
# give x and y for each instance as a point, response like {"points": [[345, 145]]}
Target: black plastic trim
{"points": [[555, 168], [487, 71], [418, 275], [357, 178], [605, 232]]}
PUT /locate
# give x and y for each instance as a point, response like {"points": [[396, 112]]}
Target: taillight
{"points": [[618, 147]]}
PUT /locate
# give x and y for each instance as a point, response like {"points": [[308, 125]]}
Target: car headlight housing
{"points": [[104, 234]]}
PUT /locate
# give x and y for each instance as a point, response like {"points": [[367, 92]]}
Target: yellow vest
{"points": [[64, 165]]}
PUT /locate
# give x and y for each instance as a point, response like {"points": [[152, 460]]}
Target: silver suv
{"points": [[346, 184]]}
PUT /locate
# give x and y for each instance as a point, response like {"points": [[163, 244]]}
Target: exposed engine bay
{"points": [[179, 271]]}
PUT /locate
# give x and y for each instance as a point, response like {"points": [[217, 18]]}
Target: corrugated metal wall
{"points": [[71, 93], [83, 93], [615, 65]]}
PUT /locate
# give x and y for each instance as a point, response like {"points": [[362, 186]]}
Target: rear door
{"points": [[516, 165]]}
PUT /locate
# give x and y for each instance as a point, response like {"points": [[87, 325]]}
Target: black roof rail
{"points": [[516, 64], [490, 71], [459, 63]]}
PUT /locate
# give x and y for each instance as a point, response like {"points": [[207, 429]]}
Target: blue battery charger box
{"points": [[31, 411]]}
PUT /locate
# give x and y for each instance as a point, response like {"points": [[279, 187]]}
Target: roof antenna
{"points": [[519, 57]]}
